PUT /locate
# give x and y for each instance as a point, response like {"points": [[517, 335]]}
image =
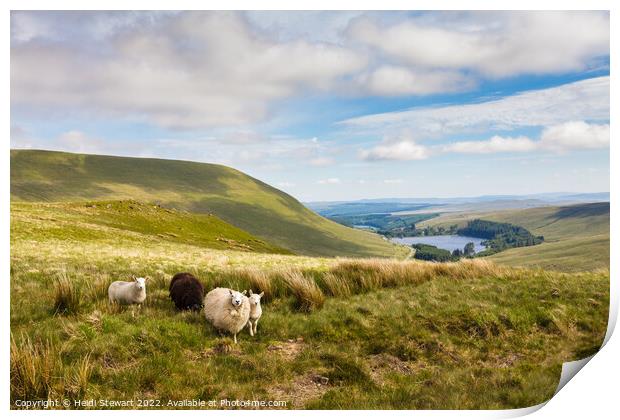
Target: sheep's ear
{"points": [[147, 278], [244, 292], [133, 277], [261, 294], [230, 291], [251, 292]]}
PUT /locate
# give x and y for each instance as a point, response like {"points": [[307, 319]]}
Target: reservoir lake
{"points": [[449, 242]]}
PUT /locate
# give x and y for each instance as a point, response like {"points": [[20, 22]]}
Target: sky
{"points": [[327, 105]]}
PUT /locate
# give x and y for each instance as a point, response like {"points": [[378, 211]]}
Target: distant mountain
{"points": [[452, 204], [236, 198]]}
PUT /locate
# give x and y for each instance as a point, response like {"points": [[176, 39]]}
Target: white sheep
{"points": [[227, 310], [255, 311], [128, 292]]}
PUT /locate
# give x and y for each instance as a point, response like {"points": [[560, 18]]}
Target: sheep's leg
{"points": [[255, 326], [250, 327], [235, 337]]}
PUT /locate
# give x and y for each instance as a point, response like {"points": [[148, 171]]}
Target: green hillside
{"points": [[576, 236], [245, 202], [560, 223], [128, 221]]}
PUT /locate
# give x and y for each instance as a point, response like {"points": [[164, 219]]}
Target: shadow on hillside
{"points": [[583, 210], [295, 235]]}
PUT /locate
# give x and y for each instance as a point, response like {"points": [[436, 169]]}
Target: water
{"points": [[365, 227], [449, 242]]}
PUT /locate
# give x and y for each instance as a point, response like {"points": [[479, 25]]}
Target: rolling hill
{"points": [[236, 198], [128, 222], [576, 236]]}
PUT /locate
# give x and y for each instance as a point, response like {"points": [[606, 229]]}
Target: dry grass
{"points": [[80, 377], [346, 277], [98, 288], [308, 296], [34, 368], [335, 286], [249, 278], [67, 295], [38, 372]]}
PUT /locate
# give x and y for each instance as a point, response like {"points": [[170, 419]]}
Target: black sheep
{"points": [[186, 291]]}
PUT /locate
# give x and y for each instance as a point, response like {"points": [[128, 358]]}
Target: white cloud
{"points": [[583, 100], [496, 144], [322, 161], [315, 25], [189, 70], [496, 44], [397, 148], [197, 70], [393, 181], [396, 80], [329, 181], [575, 135], [26, 26]]}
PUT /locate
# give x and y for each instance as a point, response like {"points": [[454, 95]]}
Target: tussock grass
{"points": [[80, 377], [246, 279], [34, 369], [67, 295], [335, 286], [259, 281], [38, 372], [346, 277], [97, 288], [308, 296]]}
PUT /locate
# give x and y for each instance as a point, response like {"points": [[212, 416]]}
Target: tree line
{"points": [[498, 237]]}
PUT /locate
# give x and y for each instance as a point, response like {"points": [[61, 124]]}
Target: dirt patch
{"points": [[382, 364], [288, 349], [225, 346], [301, 390], [505, 361]]}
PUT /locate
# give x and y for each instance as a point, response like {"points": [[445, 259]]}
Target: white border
{"points": [[592, 394]]}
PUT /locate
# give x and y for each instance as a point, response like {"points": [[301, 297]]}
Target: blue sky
{"points": [[327, 105]]}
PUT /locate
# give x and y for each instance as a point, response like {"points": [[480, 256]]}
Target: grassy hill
{"points": [[576, 236], [245, 202], [126, 222], [466, 335]]}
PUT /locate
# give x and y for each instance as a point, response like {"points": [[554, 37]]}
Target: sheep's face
{"points": [[255, 298], [236, 298], [140, 283]]}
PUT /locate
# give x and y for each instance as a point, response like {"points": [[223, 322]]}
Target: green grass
{"points": [[576, 236], [479, 343], [588, 253], [243, 201], [129, 220], [387, 333]]}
